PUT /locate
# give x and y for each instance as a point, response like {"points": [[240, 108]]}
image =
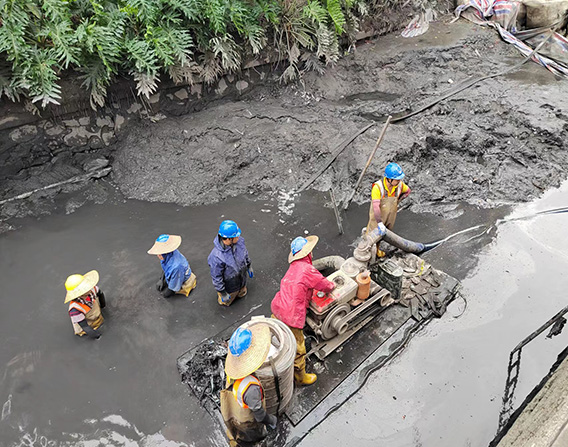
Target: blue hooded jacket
{"points": [[229, 265], [176, 268]]}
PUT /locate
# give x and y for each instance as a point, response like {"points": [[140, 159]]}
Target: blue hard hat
{"points": [[297, 244], [394, 172], [229, 228], [240, 341], [163, 238]]}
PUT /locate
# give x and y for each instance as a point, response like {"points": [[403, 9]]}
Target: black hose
{"points": [[430, 246], [402, 243], [417, 247]]}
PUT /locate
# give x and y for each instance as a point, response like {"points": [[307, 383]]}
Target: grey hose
{"points": [[363, 250], [404, 244], [326, 262]]}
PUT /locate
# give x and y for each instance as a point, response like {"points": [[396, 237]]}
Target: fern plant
{"points": [[185, 40]]}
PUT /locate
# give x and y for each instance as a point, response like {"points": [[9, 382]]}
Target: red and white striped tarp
{"points": [[502, 15]]}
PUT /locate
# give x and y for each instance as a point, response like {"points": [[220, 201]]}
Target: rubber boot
{"points": [[380, 253], [304, 379]]}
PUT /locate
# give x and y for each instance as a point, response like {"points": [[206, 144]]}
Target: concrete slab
{"points": [[543, 422]]}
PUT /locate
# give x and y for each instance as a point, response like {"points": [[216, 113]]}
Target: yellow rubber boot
{"points": [[304, 379]]}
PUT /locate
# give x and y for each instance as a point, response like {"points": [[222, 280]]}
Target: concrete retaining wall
{"points": [[544, 420]]}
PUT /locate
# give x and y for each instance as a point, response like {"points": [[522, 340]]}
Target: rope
{"points": [[276, 383], [464, 308]]}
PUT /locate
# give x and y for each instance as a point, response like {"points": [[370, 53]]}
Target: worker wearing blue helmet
{"points": [[242, 403], [229, 263], [386, 194]]}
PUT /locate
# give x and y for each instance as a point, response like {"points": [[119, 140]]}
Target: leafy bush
{"points": [[187, 40]]}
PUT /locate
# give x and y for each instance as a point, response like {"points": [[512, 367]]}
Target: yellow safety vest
{"points": [[241, 386], [92, 314]]}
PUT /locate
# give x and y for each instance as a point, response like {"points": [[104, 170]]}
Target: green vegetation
{"points": [[187, 40]]}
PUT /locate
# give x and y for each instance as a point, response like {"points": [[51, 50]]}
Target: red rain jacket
{"points": [[296, 289]]}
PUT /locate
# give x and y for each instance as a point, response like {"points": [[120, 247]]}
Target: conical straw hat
{"points": [[253, 358], [306, 249], [90, 280], [165, 243]]}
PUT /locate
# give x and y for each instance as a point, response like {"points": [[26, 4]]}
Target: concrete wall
{"points": [[544, 420], [27, 138]]}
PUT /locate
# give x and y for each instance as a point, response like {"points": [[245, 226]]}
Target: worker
{"points": [[177, 277], [85, 303], [242, 402], [292, 300], [386, 194], [229, 263]]}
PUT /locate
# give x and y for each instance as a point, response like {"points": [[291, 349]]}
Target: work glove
{"points": [[250, 271], [102, 299], [272, 420], [225, 297], [160, 285], [382, 229]]}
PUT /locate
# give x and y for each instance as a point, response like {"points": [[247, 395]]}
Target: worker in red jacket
{"points": [[292, 300]]}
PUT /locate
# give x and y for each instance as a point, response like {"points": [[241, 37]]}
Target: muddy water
{"points": [[446, 388], [57, 388], [124, 389]]}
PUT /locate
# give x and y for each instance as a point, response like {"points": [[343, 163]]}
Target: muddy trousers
{"points": [[187, 287], [234, 295], [389, 210], [300, 359]]}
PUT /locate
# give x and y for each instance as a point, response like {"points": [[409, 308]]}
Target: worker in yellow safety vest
{"points": [[85, 303], [242, 402], [386, 194]]}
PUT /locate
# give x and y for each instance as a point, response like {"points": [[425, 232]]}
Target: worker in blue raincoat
{"points": [[229, 263], [177, 277]]}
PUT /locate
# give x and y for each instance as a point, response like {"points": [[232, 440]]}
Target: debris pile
{"points": [[423, 288], [204, 371]]}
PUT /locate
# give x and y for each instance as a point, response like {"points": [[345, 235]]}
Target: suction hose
{"points": [[404, 244], [363, 251], [417, 247]]}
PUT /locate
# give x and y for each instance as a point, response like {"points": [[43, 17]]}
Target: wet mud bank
{"points": [[499, 142], [502, 141]]}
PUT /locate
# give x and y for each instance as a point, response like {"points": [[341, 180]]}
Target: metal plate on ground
{"points": [[339, 365], [340, 374], [351, 384]]}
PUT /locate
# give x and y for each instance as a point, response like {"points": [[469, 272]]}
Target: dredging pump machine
{"points": [[366, 286]]}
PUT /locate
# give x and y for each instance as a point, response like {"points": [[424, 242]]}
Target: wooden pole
{"points": [[383, 131], [335, 154]]}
